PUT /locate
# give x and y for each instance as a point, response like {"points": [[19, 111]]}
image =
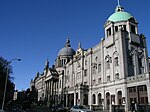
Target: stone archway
{"points": [[85, 100]]}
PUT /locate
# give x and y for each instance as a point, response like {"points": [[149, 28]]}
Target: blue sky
{"points": [[35, 30]]}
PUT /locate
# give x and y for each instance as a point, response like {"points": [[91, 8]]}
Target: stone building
{"points": [[113, 72]]}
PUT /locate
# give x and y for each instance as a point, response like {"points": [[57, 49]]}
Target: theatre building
{"points": [[114, 72]]}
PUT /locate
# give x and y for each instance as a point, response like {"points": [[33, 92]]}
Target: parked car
{"points": [[59, 108], [80, 108]]}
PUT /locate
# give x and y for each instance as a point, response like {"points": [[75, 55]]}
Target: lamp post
{"points": [[5, 88]]}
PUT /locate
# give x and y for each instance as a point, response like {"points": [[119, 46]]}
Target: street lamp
{"points": [[9, 62]]}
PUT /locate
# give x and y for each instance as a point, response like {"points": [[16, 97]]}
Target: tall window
{"points": [[124, 28], [116, 28], [133, 29], [94, 81], [94, 70], [85, 72], [99, 80], [117, 76], [94, 99], [108, 60], [116, 61], [85, 83], [99, 67], [108, 78], [85, 62], [107, 64], [109, 32], [99, 99]]}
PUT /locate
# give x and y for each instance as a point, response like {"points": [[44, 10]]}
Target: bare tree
{"points": [[4, 65]]}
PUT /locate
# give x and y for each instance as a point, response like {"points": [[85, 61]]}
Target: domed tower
{"points": [[120, 20], [122, 37], [64, 55]]}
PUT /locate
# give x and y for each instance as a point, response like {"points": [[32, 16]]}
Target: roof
{"points": [[66, 51], [120, 15]]}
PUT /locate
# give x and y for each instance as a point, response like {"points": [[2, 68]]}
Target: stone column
{"points": [[57, 98], [46, 90], [116, 97], [148, 93], [67, 97], [75, 96], [105, 103], [55, 95], [102, 98], [52, 90], [50, 87], [90, 98]]}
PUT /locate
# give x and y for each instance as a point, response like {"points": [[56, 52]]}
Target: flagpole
{"points": [[118, 2]]}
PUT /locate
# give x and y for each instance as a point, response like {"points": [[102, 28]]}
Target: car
{"points": [[79, 108], [59, 108]]}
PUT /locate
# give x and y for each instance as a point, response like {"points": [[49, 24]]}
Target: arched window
{"points": [[107, 64], [108, 61], [94, 99], [107, 100], [116, 58], [119, 97], [99, 99]]}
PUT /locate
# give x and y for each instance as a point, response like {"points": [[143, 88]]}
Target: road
{"points": [[32, 109]]}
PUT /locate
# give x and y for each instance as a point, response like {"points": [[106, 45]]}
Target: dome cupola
{"points": [[120, 15], [120, 20], [67, 50], [64, 55]]}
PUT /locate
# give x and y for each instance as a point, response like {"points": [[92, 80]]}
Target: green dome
{"points": [[119, 15]]}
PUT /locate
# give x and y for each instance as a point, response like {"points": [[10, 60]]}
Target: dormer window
{"points": [[108, 31], [124, 28], [133, 29], [116, 28]]}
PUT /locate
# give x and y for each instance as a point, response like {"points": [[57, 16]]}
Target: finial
{"points": [[118, 2], [31, 80], [46, 61], [119, 8], [47, 64], [79, 44], [38, 74], [68, 43], [67, 39]]}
